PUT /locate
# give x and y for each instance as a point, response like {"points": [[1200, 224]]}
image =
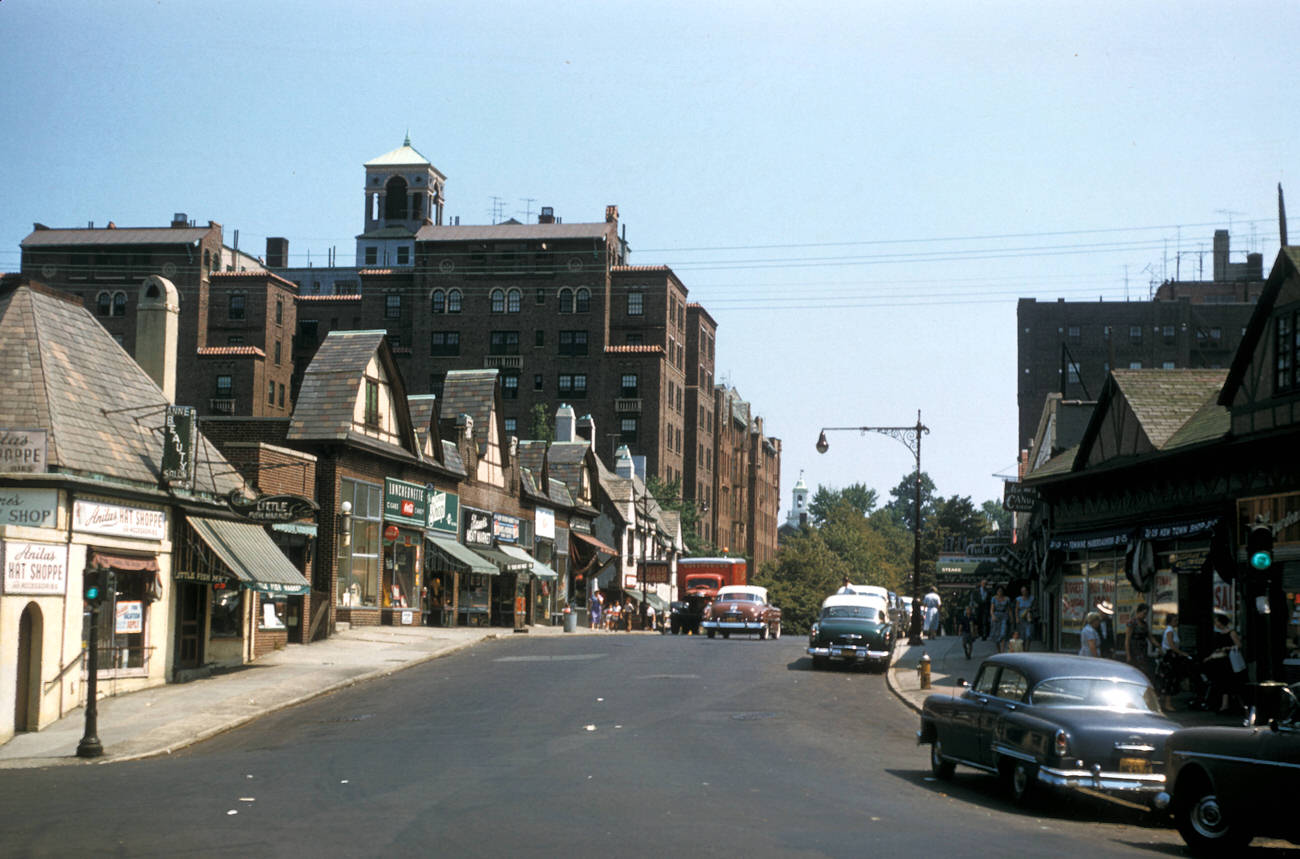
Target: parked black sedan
{"points": [[1048, 719], [1229, 784]]}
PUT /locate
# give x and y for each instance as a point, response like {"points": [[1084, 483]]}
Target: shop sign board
{"points": [[478, 528], [129, 617], [117, 520], [630, 581], [271, 509], [545, 523], [1019, 498], [38, 569], [655, 572], [35, 508], [405, 502], [444, 510], [505, 528], [180, 433], [22, 451]]}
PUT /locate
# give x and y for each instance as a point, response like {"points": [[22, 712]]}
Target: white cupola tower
{"points": [[404, 191], [799, 504]]}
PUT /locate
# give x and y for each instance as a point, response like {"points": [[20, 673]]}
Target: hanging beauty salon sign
{"points": [[39, 569], [116, 520]]}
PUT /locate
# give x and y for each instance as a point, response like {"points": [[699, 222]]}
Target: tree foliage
{"points": [[903, 500], [858, 496], [540, 425], [668, 494]]}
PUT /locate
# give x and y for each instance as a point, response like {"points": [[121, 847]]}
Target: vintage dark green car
{"points": [[852, 628]]}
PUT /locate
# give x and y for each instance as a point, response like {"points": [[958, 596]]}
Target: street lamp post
{"points": [[911, 437]]}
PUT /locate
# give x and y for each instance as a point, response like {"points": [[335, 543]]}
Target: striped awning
{"points": [[458, 556], [251, 556], [540, 570]]}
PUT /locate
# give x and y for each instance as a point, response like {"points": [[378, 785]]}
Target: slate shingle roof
{"points": [[62, 372], [473, 393], [117, 236], [513, 232], [1164, 400], [325, 404]]}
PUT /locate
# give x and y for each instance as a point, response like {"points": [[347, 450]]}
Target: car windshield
{"points": [[1094, 692], [861, 611], [740, 598]]}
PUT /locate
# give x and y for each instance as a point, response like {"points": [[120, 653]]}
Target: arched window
{"points": [[582, 300], [453, 301], [438, 302], [498, 301], [566, 300], [104, 304], [395, 199], [119, 304], [513, 298]]}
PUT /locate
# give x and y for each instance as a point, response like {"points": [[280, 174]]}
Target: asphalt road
{"points": [[585, 745]]}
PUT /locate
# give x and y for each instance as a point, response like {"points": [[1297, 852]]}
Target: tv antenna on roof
{"points": [[1229, 213]]}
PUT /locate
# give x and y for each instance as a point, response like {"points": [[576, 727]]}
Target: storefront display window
{"points": [[225, 613], [359, 574], [401, 564], [273, 613], [474, 606], [123, 621]]}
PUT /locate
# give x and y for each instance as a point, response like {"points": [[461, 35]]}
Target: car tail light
{"points": [[1062, 744]]}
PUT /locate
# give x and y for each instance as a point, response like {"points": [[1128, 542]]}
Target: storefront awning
{"points": [[503, 562], [652, 598], [459, 557], [251, 555], [123, 563], [539, 569], [593, 542]]}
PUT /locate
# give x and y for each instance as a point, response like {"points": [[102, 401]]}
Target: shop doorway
{"points": [[27, 701], [189, 624]]}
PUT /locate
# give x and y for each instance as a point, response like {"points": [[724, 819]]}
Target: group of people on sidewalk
{"points": [[1220, 675], [987, 613], [615, 615]]}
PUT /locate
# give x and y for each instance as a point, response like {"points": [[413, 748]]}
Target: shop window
{"points": [[124, 623], [272, 613], [358, 580], [227, 619]]}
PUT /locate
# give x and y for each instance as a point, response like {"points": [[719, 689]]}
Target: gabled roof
{"points": [[566, 461], [1250, 352], [424, 420], [473, 393], [1164, 400], [102, 413], [330, 387]]}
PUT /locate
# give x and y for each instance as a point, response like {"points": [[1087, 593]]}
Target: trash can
{"points": [[570, 621]]}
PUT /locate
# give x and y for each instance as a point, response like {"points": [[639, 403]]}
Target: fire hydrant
{"points": [[923, 670]]}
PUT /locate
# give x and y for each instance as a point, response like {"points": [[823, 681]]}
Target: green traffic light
{"points": [[1261, 560], [92, 594]]}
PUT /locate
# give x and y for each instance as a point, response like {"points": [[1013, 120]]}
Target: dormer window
{"points": [[372, 404]]}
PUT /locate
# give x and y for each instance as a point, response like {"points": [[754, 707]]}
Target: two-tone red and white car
{"points": [[742, 609]]}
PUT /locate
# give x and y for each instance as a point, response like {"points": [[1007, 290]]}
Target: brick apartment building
{"points": [[1069, 347], [554, 307]]}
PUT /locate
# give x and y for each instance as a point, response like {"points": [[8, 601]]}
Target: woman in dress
{"points": [[1025, 615], [1090, 635], [1173, 661], [932, 603], [1000, 617], [1218, 665]]}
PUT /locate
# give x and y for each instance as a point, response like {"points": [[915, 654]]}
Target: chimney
{"points": [[586, 429], [547, 216], [1254, 266], [564, 424], [1220, 255], [623, 465], [180, 220], [611, 214], [157, 323], [277, 252]]}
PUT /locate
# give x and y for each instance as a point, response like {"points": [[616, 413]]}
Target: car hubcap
{"points": [[936, 753], [1207, 817]]}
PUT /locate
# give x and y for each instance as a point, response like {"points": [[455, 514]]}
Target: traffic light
{"points": [[1259, 547], [94, 586]]}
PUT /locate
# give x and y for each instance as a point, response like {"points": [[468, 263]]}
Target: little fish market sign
{"points": [[268, 509]]}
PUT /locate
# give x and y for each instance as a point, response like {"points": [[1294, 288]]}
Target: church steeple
{"points": [[799, 504]]}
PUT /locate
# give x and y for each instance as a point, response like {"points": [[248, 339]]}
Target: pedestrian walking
{"points": [[981, 599], [1000, 617], [650, 617], [1227, 673], [1090, 635], [1106, 610], [1173, 663], [1139, 642], [966, 628], [932, 603], [1025, 615]]}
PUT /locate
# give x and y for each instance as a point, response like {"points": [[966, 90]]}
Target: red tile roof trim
{"points": [[232, 275], [228, 351], [349, 297], [635, 350]]}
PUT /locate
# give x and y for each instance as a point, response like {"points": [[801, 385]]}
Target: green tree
{"points": [[540, 426], [996, 514], [858, 496], [800, 577], [903, 503]]}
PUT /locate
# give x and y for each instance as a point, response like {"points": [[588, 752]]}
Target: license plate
{"points": [[1140, 766]]}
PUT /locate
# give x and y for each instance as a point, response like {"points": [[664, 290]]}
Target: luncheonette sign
{"points": [[99, 517], [35, 568]]}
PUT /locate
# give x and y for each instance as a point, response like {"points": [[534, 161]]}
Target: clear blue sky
{"points": [[857, 191]]}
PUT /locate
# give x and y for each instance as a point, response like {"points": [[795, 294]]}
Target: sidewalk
{"points": [[948, 664], [159, 720]]}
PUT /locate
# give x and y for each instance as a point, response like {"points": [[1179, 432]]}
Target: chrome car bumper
{"points": [[734, 625], [848, 651], [1095, 779]]}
